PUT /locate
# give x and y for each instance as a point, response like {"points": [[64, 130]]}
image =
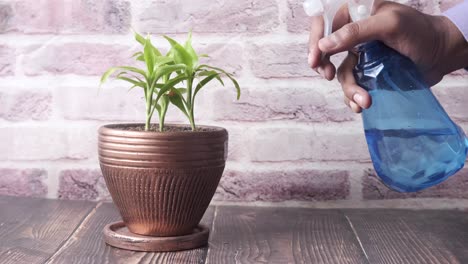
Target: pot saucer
{"points": [[117, 235]]}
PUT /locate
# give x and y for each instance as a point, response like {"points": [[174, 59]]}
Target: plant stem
{"points": [[189, 92], [161, 124], [162, 117], [192, 120], [148, 98], [148, 120], [190, 103]]}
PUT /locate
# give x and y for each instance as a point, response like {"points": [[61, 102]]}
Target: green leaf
{"points": [[139, 56], [138, 53], [149, 56], [108, 73], [132, 69], [169, 85], [140, 38], [142, 41], [161, 60], [164, 101], [190, 50], [204, 82], [180, 54], [207, 73], [156, 105], [163, 110], [203, 56], [131, 88], [135, 83], [156, 51], [132, 76], [177, 100], [236, 84], [168, 69], [182, 90]]}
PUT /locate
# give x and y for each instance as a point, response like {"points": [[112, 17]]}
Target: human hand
{"points": [[434, 43]]}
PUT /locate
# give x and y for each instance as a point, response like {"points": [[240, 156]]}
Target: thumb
{"points": [[352, 34]]}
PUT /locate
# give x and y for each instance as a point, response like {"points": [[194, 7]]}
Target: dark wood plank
{"points": [[32, 230], [401, 236], [87, 245], [282, 235]]}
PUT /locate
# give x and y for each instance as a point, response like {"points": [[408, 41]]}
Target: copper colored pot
{"points": [[162, 183]]}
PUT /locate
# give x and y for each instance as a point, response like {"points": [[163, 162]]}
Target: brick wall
{"points": [[292, 139]]}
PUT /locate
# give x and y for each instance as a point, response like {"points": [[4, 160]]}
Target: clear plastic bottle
{"points": [[412, 141]]}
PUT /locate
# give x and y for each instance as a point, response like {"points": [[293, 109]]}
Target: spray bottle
{"points": [[412, 141]]}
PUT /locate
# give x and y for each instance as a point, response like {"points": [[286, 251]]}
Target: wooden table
{"points": [[48, 231]]}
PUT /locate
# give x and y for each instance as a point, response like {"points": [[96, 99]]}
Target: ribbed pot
{"points": [[162, 183]]}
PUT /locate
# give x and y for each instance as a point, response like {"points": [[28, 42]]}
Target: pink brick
{"points": [[82, 184], [209, 16], [72, 142], [454, 99], [280, 61], [275, 186], [76, 58], [447, 4], [320, 103], [23, 182], [297, 20], [6, 13], [228, 56], [236, 147], [7, 59], [283, 60], [25, 105], [454, 187], [117, 104], [105, 103], [67, 17], [299, 144]]}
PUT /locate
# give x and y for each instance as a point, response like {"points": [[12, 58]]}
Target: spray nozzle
{"points": [[358, 10]]}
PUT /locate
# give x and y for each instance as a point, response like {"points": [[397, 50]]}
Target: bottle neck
{"points": [[373, 51]]}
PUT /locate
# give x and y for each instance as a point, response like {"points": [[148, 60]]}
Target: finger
{"points": [[346, 101], [356, 108], [352, 34], [352, 91], [316, 33], [327, 68], [341, 18]]}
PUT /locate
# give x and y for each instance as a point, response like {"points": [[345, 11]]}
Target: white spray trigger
{"points": [[358, 10], [313, 7], [326, 8]]}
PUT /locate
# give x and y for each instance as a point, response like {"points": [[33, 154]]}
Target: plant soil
{"points": [[167, 129]]}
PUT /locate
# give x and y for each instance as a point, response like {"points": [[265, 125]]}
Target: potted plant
{"points": [[162, 177]]}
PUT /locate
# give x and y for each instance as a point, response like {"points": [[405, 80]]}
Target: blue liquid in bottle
{"points": [[412, 141]]}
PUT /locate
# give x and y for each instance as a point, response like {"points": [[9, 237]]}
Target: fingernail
{"points": [[358, 99], [309, 59], [328, 43]]}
